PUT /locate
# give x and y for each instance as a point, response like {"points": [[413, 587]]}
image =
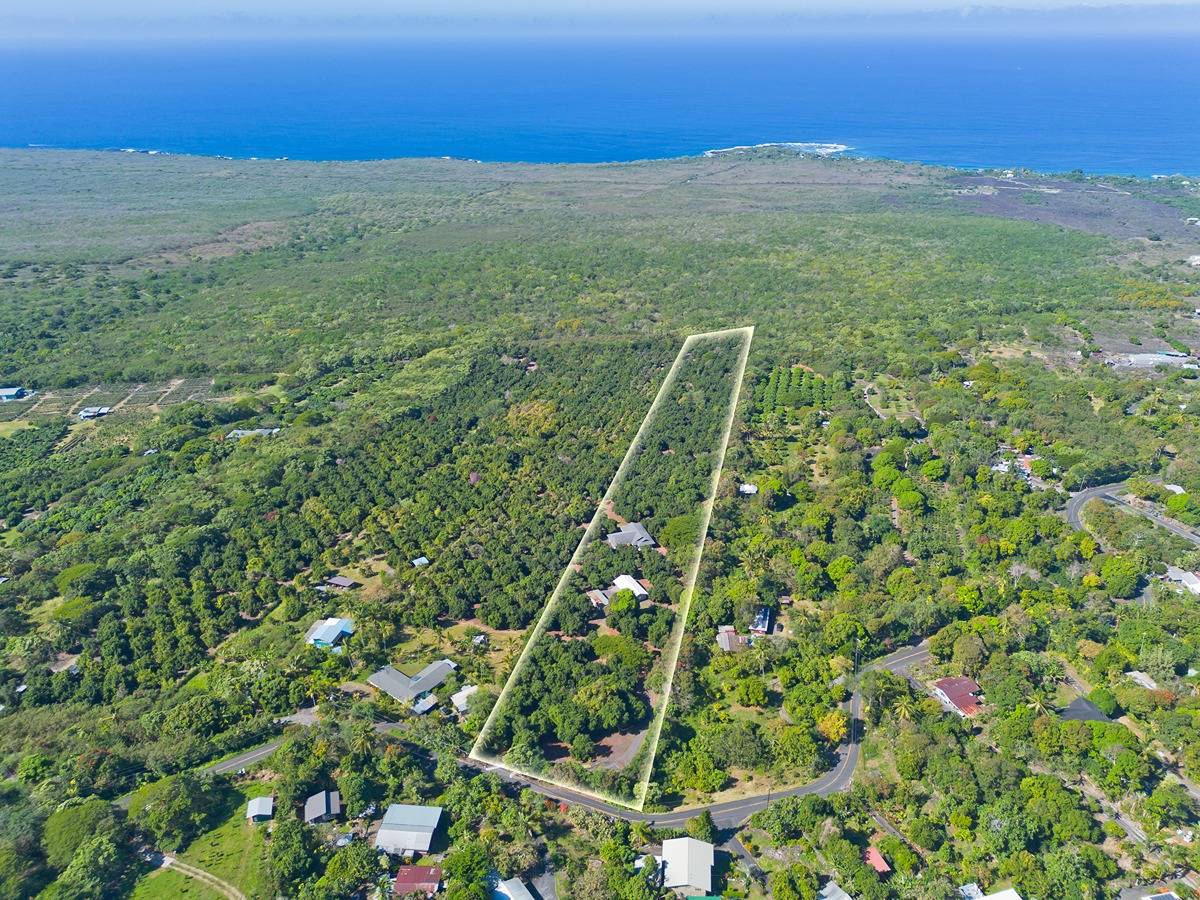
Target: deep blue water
{"points": [[1098, 105]]}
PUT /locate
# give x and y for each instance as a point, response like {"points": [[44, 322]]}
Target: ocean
{"points": [[1100, 105]]}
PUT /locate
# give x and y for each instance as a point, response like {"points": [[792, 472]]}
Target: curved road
{"points": [[731, 813], [725, 815], [1109, 493]]}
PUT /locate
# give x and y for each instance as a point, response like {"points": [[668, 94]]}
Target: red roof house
{"points": [[875, 860], [417, 880], [960, 694]]}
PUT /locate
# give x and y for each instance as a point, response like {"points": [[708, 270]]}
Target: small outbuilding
{"points": [[323, 806], [260, 809]]}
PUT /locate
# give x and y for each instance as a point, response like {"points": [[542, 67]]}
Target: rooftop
{"points": [[687, 862], [632, 534], [400, 687]]}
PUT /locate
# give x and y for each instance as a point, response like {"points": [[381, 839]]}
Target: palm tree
{"points": [[1039, 705], [904, 707]]}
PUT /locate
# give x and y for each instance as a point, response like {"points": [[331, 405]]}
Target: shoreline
{"points": [[824, 150]]}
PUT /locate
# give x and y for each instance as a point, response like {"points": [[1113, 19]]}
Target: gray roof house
{"points": [[632, 534], [322, 806], [11, 393], [407, 830], [400, 687], [260, 809]]}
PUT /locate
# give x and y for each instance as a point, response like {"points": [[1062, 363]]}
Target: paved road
{"points": [[1110, 493], [728, 814], [733, 813]]}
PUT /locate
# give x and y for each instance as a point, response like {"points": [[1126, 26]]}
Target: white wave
{"points": [[816, 148]]}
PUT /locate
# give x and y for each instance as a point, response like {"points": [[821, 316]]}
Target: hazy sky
{"points": [[107, 19]]}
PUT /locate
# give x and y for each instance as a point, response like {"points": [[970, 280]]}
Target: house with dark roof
{"points": [[960, 695], [730, 641], [1081, 709], [404, 689], [426, 880], [323, 806], [341, 582], [632, 534]]}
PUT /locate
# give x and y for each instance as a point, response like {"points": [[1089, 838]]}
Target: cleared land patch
{"points": [[585, 702]]}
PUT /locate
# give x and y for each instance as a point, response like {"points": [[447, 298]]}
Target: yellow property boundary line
{"points": [[672, 657]]}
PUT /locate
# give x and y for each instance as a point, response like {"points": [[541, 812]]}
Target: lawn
{"points": [[235, 851], [163, 884]]}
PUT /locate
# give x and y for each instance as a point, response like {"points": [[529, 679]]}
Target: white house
{"points": [[687, 863], [1181, 576]]}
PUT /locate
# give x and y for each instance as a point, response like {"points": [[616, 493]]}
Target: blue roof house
{"points": [[328, 632]]}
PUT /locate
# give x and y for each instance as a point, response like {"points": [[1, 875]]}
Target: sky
{"points": [[88, 20]]}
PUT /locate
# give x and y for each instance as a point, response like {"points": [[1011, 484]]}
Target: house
{"points": [[420, 562], [687, 863], [873, 858], [762, 621], [1194, 261], [958, 694], [973, 891], [620, 583], [512, 889], [730, 641], [1181, 576], [238, 433], [326, 633], [833, 891], [322, 807], [407, 830], [1175, 488], [8, 394], [1143, 680], [1081, 709], [632, 534], [461, 697], [417, 880], [94, 412], [747, 490], [260, 809], [479, 640], [400, 687], [341, 582], [424, 704]]}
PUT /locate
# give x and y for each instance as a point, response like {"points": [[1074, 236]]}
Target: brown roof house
{"points": [[959, 694], [417, 880]]}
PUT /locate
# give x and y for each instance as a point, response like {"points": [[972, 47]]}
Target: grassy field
{"points": [[235, 851], [163, 884]]}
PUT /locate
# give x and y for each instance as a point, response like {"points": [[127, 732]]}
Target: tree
{"points": [[70, 826], [351, 867], [94, 872], [834, 726], [701, 827], [174, 809], [291, 854]]}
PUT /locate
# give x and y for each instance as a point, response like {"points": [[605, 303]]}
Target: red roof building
{"points": [[875, 860], [417, 880], [961, 694]]}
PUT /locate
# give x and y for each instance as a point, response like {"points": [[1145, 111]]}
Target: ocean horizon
{"points": [[1100, 105]]}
